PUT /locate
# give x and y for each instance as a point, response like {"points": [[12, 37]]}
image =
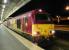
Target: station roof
{"points": [[8, 7], [54, 7], [16, 7]]}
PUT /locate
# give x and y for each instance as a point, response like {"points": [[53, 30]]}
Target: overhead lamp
{"points": [[3, 6], [5, 1], [57, 16], [40, 10], [67, 8]]}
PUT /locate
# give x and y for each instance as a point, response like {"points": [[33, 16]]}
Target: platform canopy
{"points": [[8, 7]]}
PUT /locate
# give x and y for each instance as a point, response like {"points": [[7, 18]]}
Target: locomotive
{"points": [[37, 23]]}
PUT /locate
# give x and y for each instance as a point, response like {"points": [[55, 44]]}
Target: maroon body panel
{"points": [[26, 26]]}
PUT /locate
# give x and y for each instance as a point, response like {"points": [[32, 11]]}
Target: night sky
{"points": [[54, 7]]}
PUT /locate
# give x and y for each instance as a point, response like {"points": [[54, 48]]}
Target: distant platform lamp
{"points": [[58, 17], [67, 8]]}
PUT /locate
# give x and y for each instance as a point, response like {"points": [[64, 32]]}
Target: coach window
{"points": [[18, 23], [25, 21]]}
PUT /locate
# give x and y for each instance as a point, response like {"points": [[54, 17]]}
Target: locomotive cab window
{"points": [[42, 18]]}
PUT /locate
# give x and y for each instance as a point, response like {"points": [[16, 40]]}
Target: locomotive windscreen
{"points": [[41, 17]]}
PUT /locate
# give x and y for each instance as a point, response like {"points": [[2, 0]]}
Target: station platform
{"points": [[9, 40]]}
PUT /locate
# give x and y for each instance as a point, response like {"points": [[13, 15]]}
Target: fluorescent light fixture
{"points": [[1, 16], [0, 21], [3, 6], [2, 10], [2, 13], [5, 1]]}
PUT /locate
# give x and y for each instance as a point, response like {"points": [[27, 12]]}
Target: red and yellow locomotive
{"points": [[36, 23]]}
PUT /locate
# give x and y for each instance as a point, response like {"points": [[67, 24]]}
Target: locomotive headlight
{"points": [[34, 33], [53, 31]]}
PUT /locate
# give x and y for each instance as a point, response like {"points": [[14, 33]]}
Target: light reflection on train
{"points": [[36, 23]]}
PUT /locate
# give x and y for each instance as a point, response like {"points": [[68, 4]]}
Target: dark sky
{"points": [[54, 7]]}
